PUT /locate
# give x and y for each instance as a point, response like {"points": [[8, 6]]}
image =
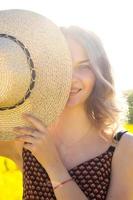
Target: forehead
{"points": [[78, 53]]}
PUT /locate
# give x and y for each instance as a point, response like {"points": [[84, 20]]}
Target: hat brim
{"points": [[53, 66]]}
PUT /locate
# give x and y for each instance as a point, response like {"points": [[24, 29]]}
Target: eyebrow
{"points": [[81, 61]]}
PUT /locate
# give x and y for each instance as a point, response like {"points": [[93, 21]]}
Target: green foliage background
{"points": [[130, 108]]}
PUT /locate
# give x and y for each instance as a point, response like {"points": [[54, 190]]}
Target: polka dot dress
{"points": [[93, 176]]}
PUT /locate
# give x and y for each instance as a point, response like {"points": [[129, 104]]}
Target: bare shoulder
{"points": [[124, 148], [122, 170]]}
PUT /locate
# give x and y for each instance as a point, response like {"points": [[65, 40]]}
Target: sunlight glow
{"points": [[111, 20]]}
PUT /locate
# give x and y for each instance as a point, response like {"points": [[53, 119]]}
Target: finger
{"points": [[37, 123], [28, 130], [26, 138]]}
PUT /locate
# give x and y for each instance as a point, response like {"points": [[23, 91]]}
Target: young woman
{"points": [[83, 155]]}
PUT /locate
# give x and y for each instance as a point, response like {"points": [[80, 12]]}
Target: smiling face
{"points": [[83, 80]]}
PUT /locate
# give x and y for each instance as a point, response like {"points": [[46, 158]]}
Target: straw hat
{"points": [[35, 70]]}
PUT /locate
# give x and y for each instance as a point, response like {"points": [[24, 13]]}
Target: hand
{"points": [[38, 141]]}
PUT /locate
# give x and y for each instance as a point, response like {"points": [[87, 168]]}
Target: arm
{"points": [[69, 190], [121, 186]]}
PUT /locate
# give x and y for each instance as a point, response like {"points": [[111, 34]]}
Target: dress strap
{"points": [[117, 138]]}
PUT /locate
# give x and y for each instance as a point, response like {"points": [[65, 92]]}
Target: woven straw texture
{"points": [[34, 58]]}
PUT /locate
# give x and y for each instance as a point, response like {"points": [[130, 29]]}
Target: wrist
{"points": [[58, 174], [63, 182]]}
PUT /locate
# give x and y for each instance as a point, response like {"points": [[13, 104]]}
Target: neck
{"points": [[72, 127]]}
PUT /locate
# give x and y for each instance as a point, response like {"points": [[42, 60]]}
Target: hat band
{"points": [[32, 70]]}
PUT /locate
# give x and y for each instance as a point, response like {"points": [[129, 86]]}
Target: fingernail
{"points": [[16, 128], [26, 115], [16, 136]]}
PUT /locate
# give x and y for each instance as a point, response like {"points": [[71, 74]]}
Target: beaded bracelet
{"points": [[62, 183]]}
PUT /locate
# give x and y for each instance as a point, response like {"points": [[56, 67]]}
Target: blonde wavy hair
{"points": [[101, 106]]}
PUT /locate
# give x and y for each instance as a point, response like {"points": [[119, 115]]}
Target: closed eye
{"points": [[84, 67]]}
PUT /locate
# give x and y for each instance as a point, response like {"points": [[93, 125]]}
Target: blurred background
{"points": [[111, 20]]}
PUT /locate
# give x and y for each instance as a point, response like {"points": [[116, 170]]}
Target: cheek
{"points": [[89, 81]]}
